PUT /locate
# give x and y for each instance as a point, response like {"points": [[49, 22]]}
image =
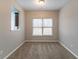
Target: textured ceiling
{"points": [[49, 4]]}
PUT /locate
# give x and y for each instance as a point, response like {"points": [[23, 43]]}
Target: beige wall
{"points": [[68, 26], [29, 15], [9, 40]]}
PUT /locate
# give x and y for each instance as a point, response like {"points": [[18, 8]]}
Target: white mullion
{"points": [[42, 26]]}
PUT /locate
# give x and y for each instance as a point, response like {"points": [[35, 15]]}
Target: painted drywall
{"points": [[68, 28], [29, 15], [9, 40]]}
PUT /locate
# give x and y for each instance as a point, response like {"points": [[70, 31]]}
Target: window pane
{"points": [[17, 19], [47, 31], [37, 22], [37, 31], [12, 21], [47, 22]]}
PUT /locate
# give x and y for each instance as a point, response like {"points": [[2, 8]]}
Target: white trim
{"points": [[41, 41], [14, 50], [68, 49]]}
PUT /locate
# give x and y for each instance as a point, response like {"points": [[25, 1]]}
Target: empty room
{"points": [[38, 29]]}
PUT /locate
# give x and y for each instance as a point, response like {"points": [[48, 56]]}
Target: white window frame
{"points": [[51, 34], [13, 27]]}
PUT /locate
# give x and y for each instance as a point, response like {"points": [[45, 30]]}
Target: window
{"points": [[37, 31], [42, 27], [47, 31], [14, 21]]}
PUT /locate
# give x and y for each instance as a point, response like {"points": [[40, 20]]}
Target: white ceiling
{"points": [[49, 4]]}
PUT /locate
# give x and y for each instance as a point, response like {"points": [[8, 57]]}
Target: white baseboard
{"points": [[14, 50], [68, 49], [41, 41]]}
